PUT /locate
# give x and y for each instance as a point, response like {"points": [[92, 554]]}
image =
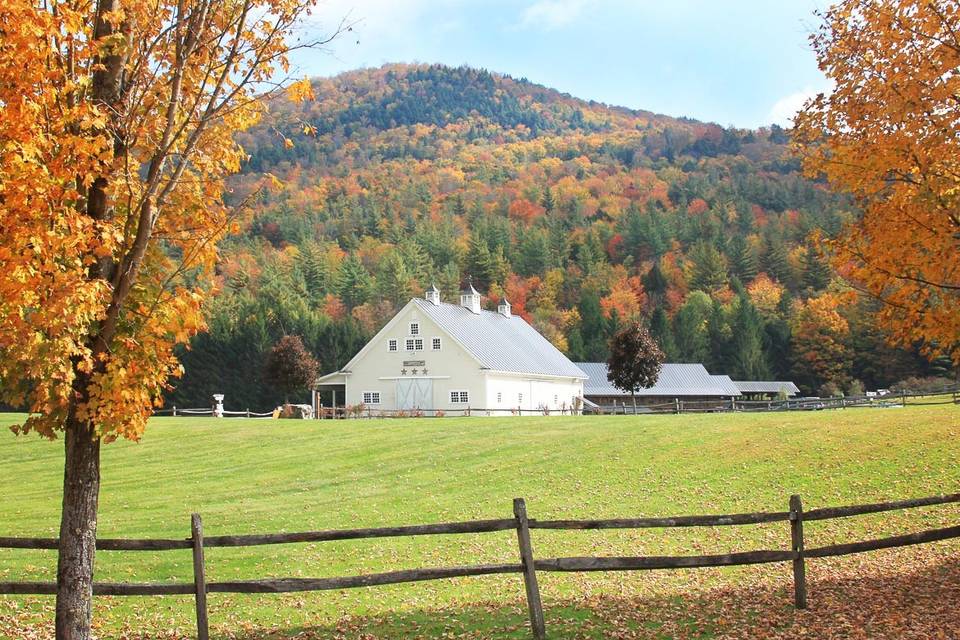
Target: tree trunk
{"points": [[78, 531], [633, 396]]}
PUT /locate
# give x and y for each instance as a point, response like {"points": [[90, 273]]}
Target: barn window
{"points": [[371, 397], [499, 397], [392, 345], [414, 328], [520, 398], [436, 344], [418, 344], [408, 344], [459, 397]]}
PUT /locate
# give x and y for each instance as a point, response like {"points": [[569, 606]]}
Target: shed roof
{"points": [[676, 380], [774, 386], [500, 343]]}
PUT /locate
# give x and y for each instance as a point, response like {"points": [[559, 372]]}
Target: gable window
{"points": [[436, 344], [371, 397], [418, 344], [459, 397], [414, 328], [408, 344], [392, 345]]}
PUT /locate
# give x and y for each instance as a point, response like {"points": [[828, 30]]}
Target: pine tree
{"points": [[776, 262], [709, 271], [394, 280], [353, 282], [534, 255], [816, 272], [662, 332], [593, 329], [747, 360], [690, 328], [479, 261], [743, 260], [547, 201]]}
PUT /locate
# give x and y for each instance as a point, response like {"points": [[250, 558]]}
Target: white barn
{"points": [[434, 355]]}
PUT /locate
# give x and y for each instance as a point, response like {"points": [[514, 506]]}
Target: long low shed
{"points": [[677, 382]]}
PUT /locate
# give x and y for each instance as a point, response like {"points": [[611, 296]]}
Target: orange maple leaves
{"points": [[116, 131], [888, 134]]}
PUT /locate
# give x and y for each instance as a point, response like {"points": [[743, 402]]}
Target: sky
{"points": [[745, 63]]}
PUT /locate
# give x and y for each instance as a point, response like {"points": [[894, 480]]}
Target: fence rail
{"points": [[528, 565], [949, 395]]}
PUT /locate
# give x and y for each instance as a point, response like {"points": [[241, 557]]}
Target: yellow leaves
{"points": [[301, 91], [288, 143]]}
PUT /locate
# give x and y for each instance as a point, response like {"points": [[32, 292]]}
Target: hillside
{"points": [[585, 216], [253, 476]]}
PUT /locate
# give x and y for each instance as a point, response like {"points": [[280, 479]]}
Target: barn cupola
{"points": [[504, 307], [433, 295], [470, 298]]}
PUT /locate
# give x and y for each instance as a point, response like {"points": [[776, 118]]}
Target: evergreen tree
{"points": [[776, 262], [690, 328], [743, 260], [534, 254], [313, 267], [662, 332], [353, 282], [593, 328], [747, 359], [393, 280], [654, 282], [547, 201], [721, 337], [816, 272], [709, 271], [479, 261]]}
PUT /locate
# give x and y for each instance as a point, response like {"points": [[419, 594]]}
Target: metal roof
{"points": [[675, 380], [500, 343], [729, 387], [756, 386]]}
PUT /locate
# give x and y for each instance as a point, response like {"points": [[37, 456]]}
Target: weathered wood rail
{"points": [[528, 565]]}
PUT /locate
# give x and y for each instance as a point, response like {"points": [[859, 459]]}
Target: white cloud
{"points": [[552, 14], [786, 108]]}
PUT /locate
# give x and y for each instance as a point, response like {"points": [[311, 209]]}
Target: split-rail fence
{"points": [[795, 553]]}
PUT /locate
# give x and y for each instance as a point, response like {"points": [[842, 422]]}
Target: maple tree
{"points": [[116, 132], [888, 134], [635, 360], [290, 367]]}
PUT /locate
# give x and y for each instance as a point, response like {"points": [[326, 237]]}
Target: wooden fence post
{"points": [[796, 539], [537, 624], [199, 577]]}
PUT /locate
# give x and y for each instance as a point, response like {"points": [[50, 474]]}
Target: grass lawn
{"points": [[250, 476]]}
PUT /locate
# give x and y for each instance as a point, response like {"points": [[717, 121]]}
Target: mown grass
{"points": [[249, 476]]}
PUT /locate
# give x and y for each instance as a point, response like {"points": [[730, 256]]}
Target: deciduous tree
{"points": [[116, 125], [888, 134], [290, 367], [635, 360]]}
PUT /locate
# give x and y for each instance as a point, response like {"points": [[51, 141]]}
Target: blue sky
{"points": [[734, 62]]}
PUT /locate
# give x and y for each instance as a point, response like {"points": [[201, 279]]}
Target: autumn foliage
{"points": [[888, 134]]}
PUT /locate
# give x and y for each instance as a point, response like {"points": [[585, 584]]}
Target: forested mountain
{"points": [[585, 216]]}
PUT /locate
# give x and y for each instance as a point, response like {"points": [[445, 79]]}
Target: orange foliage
{"points": [[888, 134]]}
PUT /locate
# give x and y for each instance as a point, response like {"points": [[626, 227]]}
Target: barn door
{"points": [[414, 393]]}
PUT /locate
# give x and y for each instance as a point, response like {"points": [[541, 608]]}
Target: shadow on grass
{"points": [[866, 600]]}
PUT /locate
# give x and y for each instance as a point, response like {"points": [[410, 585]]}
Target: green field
{"points": [[259, 476]]}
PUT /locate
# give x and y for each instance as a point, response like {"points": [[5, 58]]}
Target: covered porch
{"points": [[329, 396]]}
